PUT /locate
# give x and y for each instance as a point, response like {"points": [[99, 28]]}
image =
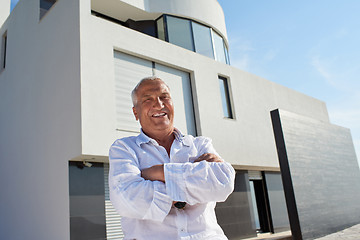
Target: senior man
{"points": [[165, 185]]}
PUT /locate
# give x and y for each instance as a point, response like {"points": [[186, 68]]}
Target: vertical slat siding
{"points": [[112, 218]]}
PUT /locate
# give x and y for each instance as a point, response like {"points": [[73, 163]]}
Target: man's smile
{"points": [[159, 115]]}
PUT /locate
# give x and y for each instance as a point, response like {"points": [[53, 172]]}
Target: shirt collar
{"points": [[143, 138], [181, 137]]}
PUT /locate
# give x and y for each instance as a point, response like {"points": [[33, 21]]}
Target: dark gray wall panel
{"points": [[87, 201], [234, 215], [275, 191], [320, 170]]}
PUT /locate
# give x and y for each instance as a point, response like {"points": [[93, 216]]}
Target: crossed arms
{"points": [[156, 172], [149, 193]]}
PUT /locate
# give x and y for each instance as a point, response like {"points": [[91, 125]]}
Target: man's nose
{"points": [[158, 103]]}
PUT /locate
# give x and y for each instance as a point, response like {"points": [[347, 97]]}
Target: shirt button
{"points": [[183, 230]]}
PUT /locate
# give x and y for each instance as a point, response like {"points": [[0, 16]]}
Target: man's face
{"points": [[154, 107]]}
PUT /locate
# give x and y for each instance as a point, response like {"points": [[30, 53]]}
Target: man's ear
{"points": [[135, 113]]}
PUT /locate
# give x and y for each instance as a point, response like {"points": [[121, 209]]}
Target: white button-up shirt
{"points": [[146, 206]]}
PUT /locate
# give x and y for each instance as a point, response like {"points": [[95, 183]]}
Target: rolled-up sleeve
{"points": [[199, 182], [131, 195]]}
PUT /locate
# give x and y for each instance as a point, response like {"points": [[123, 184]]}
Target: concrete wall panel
{"points": [[39, 120], [319, 160]]}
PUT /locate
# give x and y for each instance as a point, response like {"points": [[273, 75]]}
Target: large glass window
{"points": [[179, 32], [202, 39], [219, 48], [225, 97], [193, 36]]}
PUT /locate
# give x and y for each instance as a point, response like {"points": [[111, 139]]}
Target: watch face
{"points": [[180, 205]]}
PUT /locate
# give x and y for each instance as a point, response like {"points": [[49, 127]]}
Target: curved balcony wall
{"points": [[207, 12], [198, 26]]}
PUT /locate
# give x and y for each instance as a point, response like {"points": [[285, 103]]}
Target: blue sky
{"points": [[13, 3], [309, 46]]}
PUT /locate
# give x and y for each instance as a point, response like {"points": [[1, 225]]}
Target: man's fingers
{"points": [[209, 157], [154, 173], [202, 157]]}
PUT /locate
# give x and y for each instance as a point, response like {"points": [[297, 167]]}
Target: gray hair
{"points": [[136, 88]]}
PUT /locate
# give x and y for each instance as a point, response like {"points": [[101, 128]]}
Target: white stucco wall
{"points": [[247, 140], [4, 10], [39, 120]]}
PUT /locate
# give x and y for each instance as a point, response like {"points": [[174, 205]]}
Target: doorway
{"points": [[261, 205]]}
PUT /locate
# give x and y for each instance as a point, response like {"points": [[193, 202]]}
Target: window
{"points": [[45, 5], [226, 54], [179, 32], [192, 36], [219, 48], [129, 70], [202, 39], [225, 97], [3, 51]]}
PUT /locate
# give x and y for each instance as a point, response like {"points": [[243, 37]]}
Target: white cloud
{"points": [[347, 114], [246, 57], [341, 33], [348, 117], [343, 77], [241, 62], [239, 53], [238, 44], [344, 102], [270, 55], [322, 69]]}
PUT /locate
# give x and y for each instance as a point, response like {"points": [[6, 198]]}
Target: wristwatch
{"points": [[180, 205]]}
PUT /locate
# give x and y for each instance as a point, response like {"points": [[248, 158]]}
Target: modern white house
{"points": [[67, 70]]}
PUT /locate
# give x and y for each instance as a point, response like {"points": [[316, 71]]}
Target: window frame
{"points": [[226, 97], [166, 28], [4, 46]]}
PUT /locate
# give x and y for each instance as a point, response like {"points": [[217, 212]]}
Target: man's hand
{"points": [[210, 157], [154, 173]]}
